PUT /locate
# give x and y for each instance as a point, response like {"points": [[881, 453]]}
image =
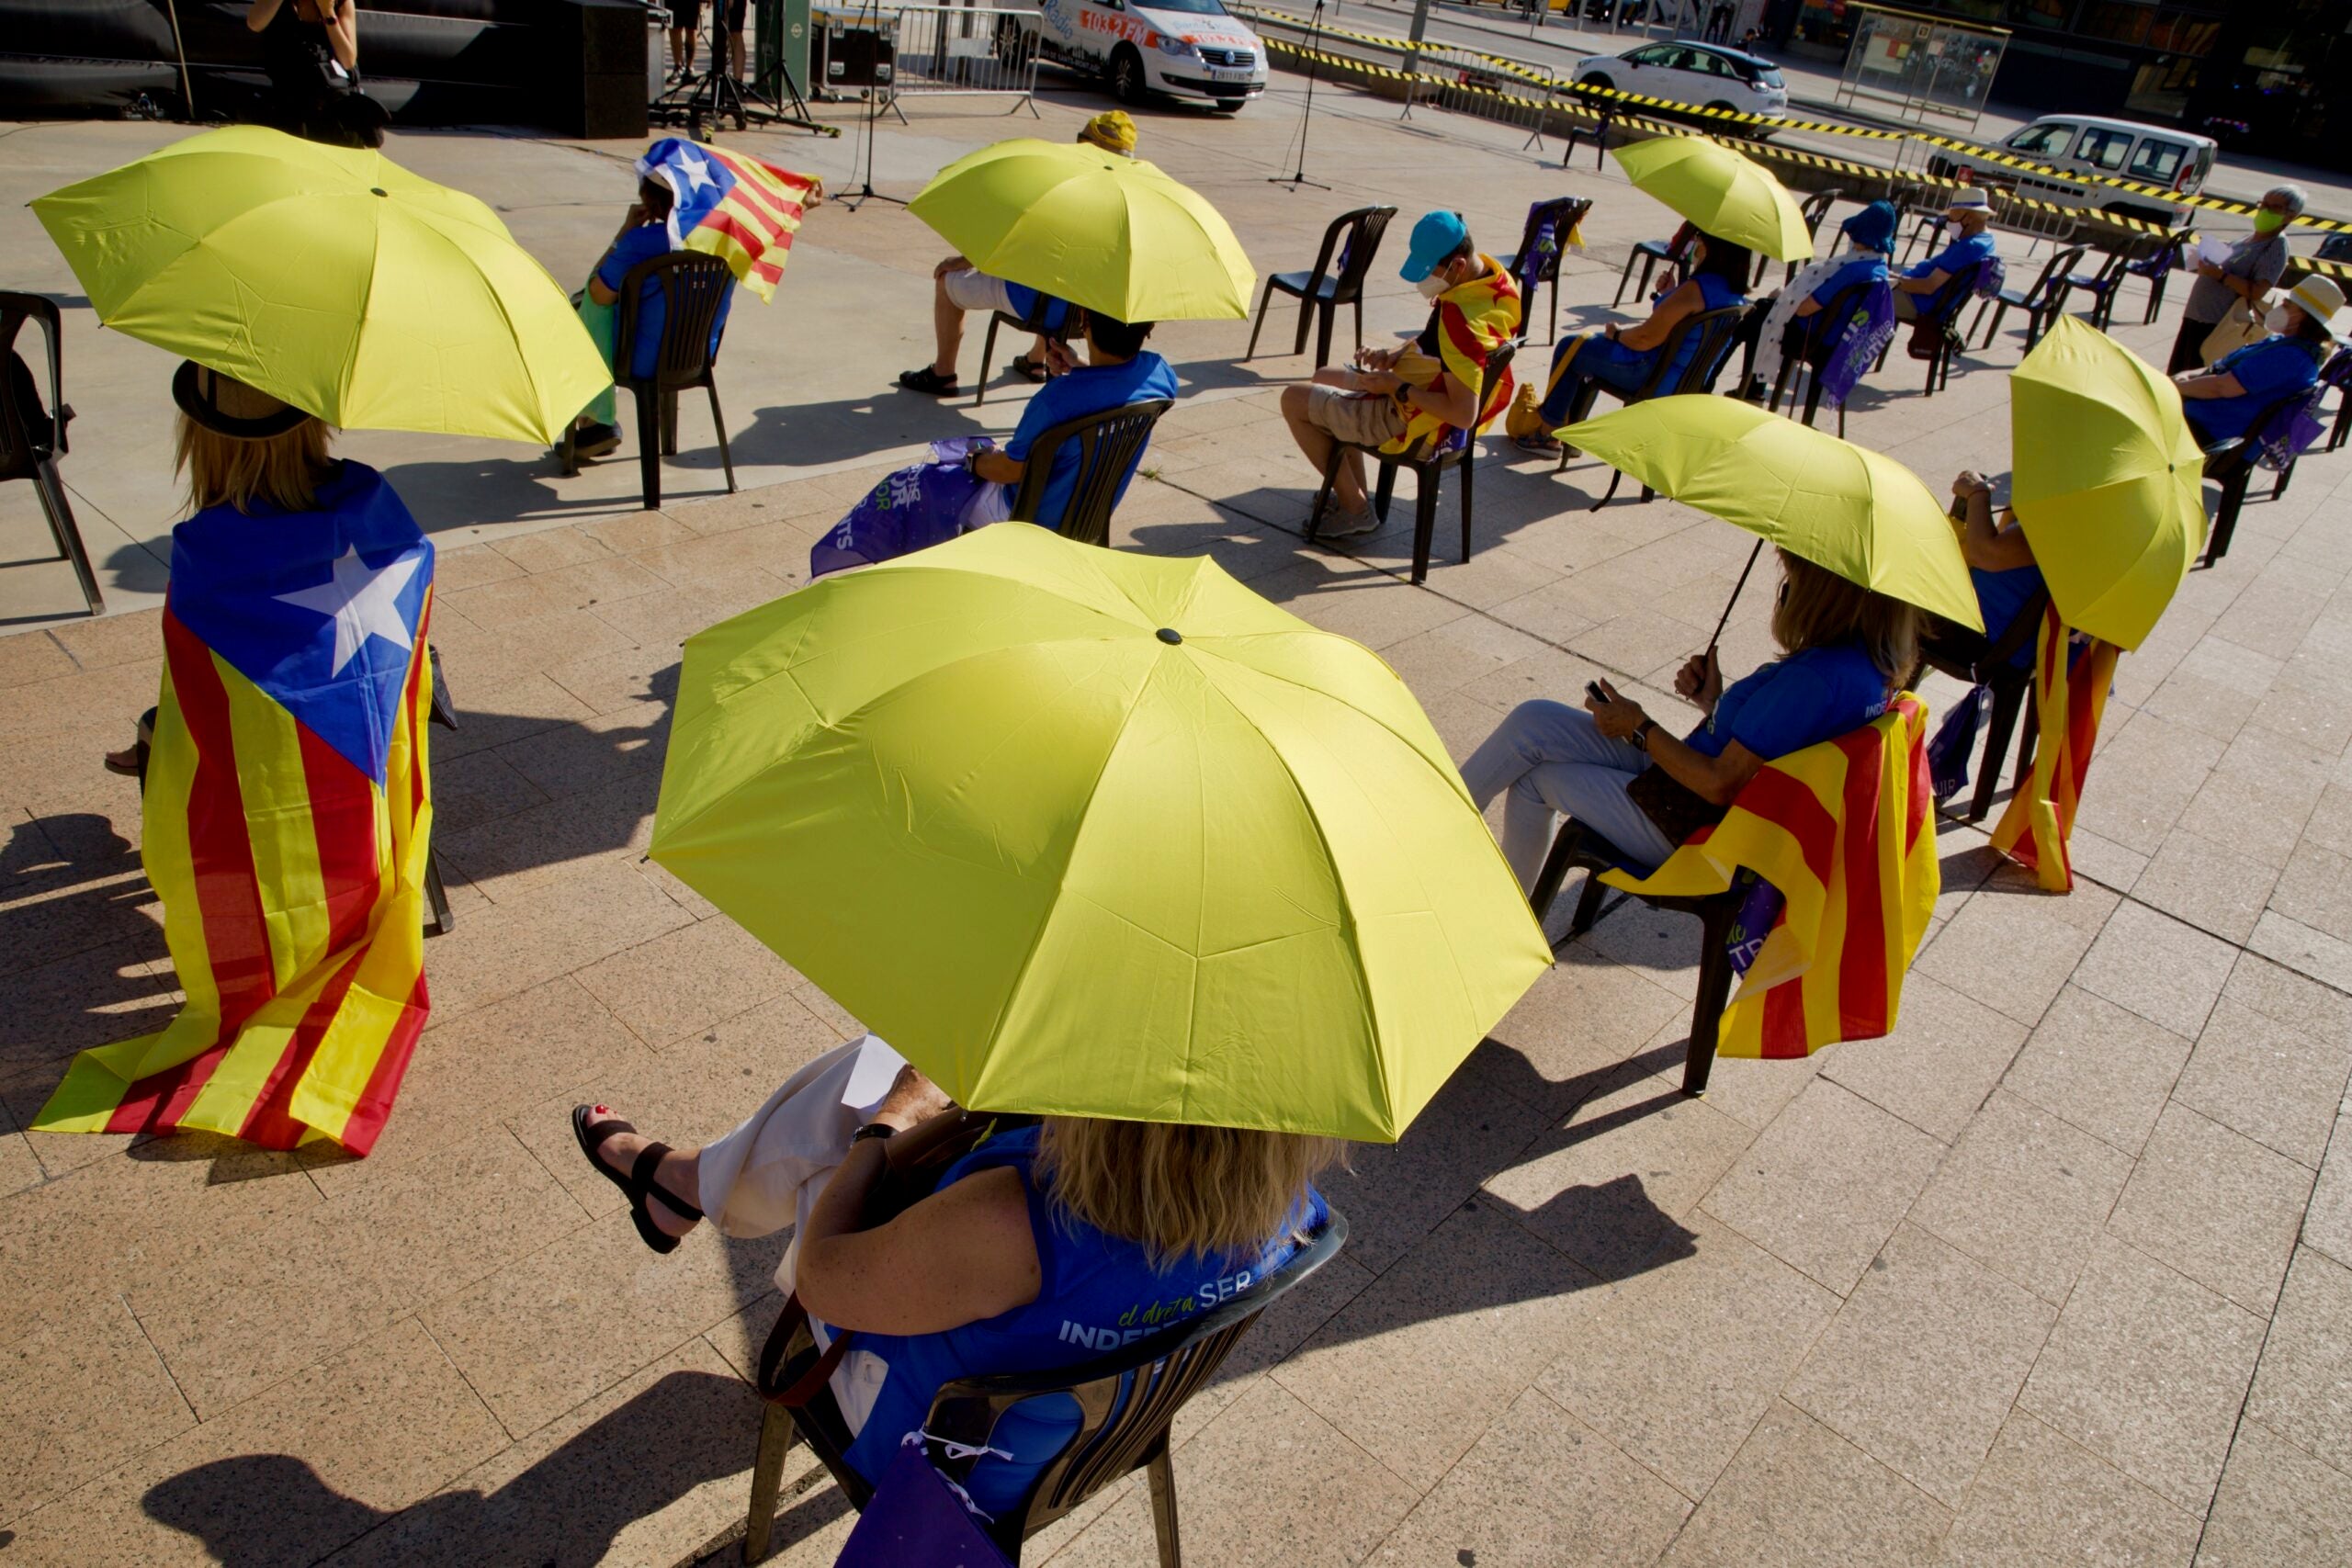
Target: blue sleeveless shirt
{"points": [[1717, 293], [1095, 1293]]}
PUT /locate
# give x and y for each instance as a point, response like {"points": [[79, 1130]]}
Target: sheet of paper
{"points": [[877, 1066], [2212, 248]]}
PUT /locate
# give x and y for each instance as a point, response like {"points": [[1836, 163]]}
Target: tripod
{"points": [[870, 20], [1298, 177], [716, 95]]}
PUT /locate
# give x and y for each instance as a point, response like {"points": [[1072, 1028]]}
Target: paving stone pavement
{"points": [[2060, 1272]]}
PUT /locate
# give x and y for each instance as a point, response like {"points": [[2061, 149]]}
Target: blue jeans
{"points": [[1555, 762], [1597, 359]]}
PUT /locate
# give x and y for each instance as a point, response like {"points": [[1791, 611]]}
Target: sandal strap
{"points": [[641, 1175]]}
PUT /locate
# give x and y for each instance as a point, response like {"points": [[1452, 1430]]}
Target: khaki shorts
{"points": [[1359, 418]]}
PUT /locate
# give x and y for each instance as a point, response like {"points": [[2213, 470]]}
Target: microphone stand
{"points": [[1298, 177], [869, 15]]}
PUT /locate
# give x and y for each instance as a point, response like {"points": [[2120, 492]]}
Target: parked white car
{"points": [[1191, 48], [1706, 75], [2156, 156]]}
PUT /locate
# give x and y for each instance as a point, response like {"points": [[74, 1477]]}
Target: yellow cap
{"points": [[1111, 131]]}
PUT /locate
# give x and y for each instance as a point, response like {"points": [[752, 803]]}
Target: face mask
{"points": [[2268, 222], [2277, 320], [1432, 285]]}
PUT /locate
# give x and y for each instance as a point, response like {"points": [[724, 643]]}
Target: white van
{"points": [[2171, 160], [1191, 48]]}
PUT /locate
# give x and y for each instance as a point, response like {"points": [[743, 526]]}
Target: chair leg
{"points": [[1265, 297], [438, 919], [669, 423], [1714, 991], [1323, 491], [2000, 313], [2155, 299], [2009, 699], [1425, 488], [1384, 491], [649, 444], [2029, 738], [1327, 315], [1623, 278], [1611, 493], [68, 535], [1359, 308], [1161, 1474], [567, 453], [2280, 488], [1588, 905], [2225, 517], [1469, 466], [718, 423], [1812, 403], [1555, 871], [988, 353], [1307, 303], [768, 1479], [1555, 307], [1780, 385]]}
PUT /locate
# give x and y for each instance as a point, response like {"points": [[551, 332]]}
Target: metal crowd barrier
{"points": [[937, 51]]}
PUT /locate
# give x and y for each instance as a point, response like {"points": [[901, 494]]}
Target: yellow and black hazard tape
{"points": [[2043, 171]]}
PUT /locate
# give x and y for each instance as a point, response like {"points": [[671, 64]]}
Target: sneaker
{"points": [[596, 441], [1348, 524]]}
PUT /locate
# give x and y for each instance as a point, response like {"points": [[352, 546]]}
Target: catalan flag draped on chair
{"points": [[2069, 695], [1842, 830], [287, 813], [731, 206]]}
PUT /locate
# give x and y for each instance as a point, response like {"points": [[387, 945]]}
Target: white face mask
{"points": [[1432, 285], [2277, 320]]}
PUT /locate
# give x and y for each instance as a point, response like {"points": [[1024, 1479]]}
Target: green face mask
{"points": [[2268, 222]]}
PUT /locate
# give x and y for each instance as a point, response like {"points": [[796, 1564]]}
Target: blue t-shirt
{"points": [[1025, 298], [1958, 256], [2268, 371], [1794, 703], [1999, 596], [1861, 270], [1096, 1293], [640, 244], [1088, 389]]}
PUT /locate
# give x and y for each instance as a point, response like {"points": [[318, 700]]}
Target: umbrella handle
{"points": [[1735, 597]]}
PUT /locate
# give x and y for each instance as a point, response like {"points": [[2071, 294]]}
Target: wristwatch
{"points": [[1641, 736], [872, 1130]]}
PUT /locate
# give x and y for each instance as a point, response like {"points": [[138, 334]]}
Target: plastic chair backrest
{"points": [[1560, 214], [1109, 444], [1125, 1399], [1354, 237], [1715, 330], [694, 285], [1817, 207], [2061, 266], [2021, 630], [29, 431], [1458, 440], [1959, 288]]}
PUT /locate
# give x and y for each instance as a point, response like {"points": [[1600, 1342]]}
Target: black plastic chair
{"points": [[2040, 302], [1992, 666], [1562, 214], [2338, 373], [1354, 237], [1653, 255], [1811, 354], [32, 437], [2104, 285], [1428, 473], [1577, 847], [1814, 207], [1110, 444], [1941, 311], [1038, 322], [2231, 463], [693, 287], [1127, 1400], [2155, 269], [1715, 330], [438, 919]]}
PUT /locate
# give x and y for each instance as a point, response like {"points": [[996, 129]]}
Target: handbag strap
{"points": [[805, 1387]]}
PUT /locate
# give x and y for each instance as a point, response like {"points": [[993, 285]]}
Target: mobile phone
{"points": [[1592, 689]]}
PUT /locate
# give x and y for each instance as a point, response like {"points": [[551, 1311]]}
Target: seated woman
{"points": [[1846, 649], [1034, 1251], [2222, 403], [1786, 330], [1622, 358], [644, 234], [2001, 565]]}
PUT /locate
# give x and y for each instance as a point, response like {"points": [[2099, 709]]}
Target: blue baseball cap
{"points": [[1437, 236]]}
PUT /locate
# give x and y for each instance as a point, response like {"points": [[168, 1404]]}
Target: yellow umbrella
{"points": [[1101, 834], [332, 279], [2107, 481], [1098, 228], [1855, 512], [1729, 196]]}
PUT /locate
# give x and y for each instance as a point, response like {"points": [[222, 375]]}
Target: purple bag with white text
{"points": [[919, 507], [918, 1516]]}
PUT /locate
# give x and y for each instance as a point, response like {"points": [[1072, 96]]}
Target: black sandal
{"points": [[929, 382], [639, 1184], [1036, 370]]}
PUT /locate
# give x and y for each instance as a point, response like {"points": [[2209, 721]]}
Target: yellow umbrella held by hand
{"points": [[334, 279], [2107, 480], [1101, 230], [1729, 196], [1090, 833]]}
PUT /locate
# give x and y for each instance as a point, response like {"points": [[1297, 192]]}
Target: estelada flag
{"points": [[2069, 696], [1471, 320], [1842, 830], [730, 206], [287, 813]]}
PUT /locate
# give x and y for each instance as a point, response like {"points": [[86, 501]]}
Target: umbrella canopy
{"points": [[1729, 196], [1103, 230], [1098, 834], [332, 279], [2107, 480], [1843, 507]]}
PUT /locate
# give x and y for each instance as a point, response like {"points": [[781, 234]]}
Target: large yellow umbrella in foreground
{"points": [[1101, 834], [1098, 228], [1729, 196], [332, 279], [2107, 480], [1855, 512]]}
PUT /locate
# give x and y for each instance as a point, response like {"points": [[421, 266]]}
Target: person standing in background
{"points": [[311, 48], [2251, 270]]}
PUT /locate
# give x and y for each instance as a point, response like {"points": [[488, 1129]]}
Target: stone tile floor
{"points": [[2060, 1272]]}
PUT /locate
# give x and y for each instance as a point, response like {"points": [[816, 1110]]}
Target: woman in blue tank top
{"points": [[1044, 1247], [1622, 358]]}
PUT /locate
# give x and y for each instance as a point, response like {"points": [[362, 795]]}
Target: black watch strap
{"points": [[1641, 736], [872, 1130]]}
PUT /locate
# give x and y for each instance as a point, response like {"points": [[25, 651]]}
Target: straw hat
{"points": [[2321, 297], [228, 407], [1968, 198]]}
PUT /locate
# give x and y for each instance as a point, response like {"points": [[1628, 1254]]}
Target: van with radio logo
{"points": [[1190, 49]]}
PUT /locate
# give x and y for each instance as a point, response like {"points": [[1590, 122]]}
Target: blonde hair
{"points": [[225, 470], [1818, 606], [1179, 1190]]}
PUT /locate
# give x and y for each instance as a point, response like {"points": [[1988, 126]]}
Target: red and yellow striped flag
{"points": [[1843, 832], [2069, 696], [731, 206], [287, 811]]}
